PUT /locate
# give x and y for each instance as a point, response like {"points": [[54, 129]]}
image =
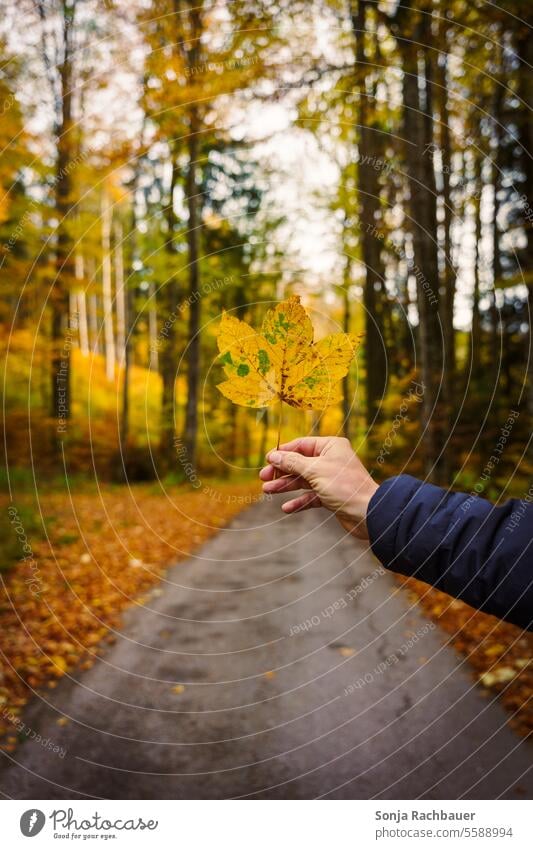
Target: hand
{"points": [[329, 468]]}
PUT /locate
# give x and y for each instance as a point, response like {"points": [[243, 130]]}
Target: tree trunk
{"points": [[60, 360], [498, 164], [93, 323], [475, 334], [246, 441], [346, 387], [83, 329], [120, 299], [449, 279], [263, 445], [125, 412], [524, 50], [128, 311], [231, 446], [405, 340], [418, 152], [369, 148], [192, 193], [168, 355], [495, 348], [107, 295], [152, 327], [193, 244]]}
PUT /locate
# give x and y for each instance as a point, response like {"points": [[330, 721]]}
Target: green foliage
{"points": [[21, 526]]}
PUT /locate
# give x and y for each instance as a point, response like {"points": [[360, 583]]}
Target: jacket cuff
{"points": [[384, 515]]}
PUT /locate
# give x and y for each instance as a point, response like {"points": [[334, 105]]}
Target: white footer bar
{"points": [[266, 824]]}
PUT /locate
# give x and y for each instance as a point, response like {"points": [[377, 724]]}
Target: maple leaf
{"points": [[281, 362]]}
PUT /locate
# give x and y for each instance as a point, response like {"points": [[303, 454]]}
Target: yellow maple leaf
{"points": [[281, 361]]}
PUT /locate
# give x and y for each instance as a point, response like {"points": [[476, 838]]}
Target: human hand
{"points": [[330, 469]]}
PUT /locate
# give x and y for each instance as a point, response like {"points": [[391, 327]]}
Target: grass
{"points": [[20, 524]]}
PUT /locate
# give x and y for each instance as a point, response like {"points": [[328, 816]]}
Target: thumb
{"points": [[289, 462]]}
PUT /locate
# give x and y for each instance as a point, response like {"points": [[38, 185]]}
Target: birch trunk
{"points": [[93, 323], [83, 330]]}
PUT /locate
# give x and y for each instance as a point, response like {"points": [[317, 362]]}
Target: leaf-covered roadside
{"points": [[105, 550], [500, 653]]}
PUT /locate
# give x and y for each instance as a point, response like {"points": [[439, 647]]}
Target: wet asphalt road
{"points": [[366, 701]]}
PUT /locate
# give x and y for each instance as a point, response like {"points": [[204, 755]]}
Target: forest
{"points": [[162, 163], [168, 161]]}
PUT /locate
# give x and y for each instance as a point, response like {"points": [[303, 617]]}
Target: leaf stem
{"points": [[280, 417]]}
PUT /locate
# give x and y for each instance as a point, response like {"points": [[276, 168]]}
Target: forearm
{"points": [[459, 543]]}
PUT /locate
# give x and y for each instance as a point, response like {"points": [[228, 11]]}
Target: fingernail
{"points": [[274, 457]]}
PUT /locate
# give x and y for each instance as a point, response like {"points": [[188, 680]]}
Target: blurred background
{"points": [[163, 160]]}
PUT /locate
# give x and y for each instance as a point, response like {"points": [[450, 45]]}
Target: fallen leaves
{"points": [[281, 362], [498, 651], [346, 651], [500, 675], [123, 540]]}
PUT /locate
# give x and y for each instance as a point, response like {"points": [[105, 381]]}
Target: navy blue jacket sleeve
{"points": [[459, 543]]}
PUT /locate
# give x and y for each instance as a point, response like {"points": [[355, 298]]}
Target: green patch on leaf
{"points": [[243, 370], [264, 361]]}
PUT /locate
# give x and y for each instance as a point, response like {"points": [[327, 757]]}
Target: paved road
{"points": [[368, 702]]}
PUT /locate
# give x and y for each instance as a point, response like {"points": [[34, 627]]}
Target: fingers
{"points": [[289, 462], [303, 502], [309, 446], [267, 474], [285, 484]]}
